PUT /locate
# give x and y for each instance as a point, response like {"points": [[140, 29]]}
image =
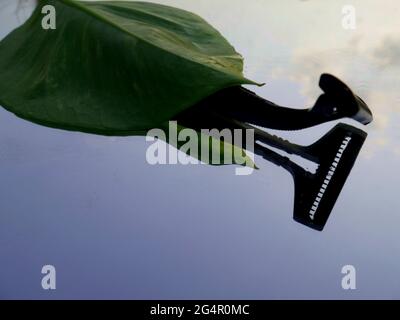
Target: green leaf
{"points": [[113, 68], [207, 149]]}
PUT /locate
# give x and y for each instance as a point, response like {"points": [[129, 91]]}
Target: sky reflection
{"points": [[116, 227]]}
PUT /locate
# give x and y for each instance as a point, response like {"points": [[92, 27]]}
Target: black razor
{"points": [[335, 153]]}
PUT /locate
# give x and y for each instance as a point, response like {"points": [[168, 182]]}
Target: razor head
{"points": [[316, 193], [339, 101]]}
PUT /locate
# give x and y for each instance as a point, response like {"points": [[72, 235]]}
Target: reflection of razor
{"points": [[337, 102], [316, 193], [335, 153]]}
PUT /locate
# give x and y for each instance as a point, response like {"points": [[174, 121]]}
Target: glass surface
{"points": [[116, 227]]}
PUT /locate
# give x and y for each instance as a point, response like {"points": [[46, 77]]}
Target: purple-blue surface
{"points": [[116, 227]]}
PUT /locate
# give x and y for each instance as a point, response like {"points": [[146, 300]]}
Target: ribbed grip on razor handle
{"points": [[269, 139]]}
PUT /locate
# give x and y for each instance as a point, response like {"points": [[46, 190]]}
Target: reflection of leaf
{"points": [[217, 151], [114, 68]]}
